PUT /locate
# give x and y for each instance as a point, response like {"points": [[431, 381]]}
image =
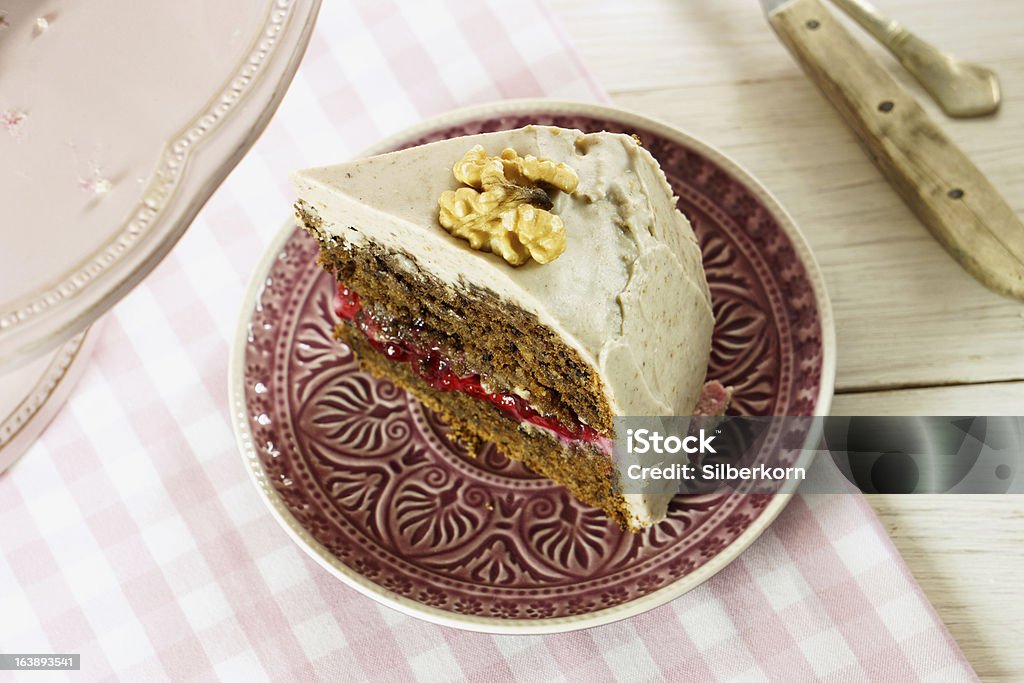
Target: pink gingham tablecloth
{"points": [[131, 534]]}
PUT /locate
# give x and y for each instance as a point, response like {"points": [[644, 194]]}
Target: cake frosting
{"points": [[629, 292]]}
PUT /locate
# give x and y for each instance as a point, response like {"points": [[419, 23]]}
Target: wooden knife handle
{"points": [[938, 181]]}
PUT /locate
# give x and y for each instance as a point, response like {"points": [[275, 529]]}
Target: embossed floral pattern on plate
{"points": [[373, 479]]}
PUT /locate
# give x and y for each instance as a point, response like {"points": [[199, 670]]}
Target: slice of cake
{"points": [[528, 285]]}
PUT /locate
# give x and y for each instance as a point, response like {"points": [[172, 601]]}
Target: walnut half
{"points": [[506, 209]]}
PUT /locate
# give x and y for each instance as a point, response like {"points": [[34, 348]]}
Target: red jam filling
{"points": [[432, 367]]}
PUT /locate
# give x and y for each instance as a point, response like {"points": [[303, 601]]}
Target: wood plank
{"points": [[965, 551], [940, 184], [906, 314], [650, 44], [1003, 398]]}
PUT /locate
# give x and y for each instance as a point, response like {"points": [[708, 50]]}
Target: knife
{"points": [[962, 89], [946, 191]]}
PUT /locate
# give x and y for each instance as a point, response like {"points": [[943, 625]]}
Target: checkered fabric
{"points": [[131, 534]]}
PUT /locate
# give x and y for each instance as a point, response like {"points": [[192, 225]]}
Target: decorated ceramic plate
{"points": [[31, 395], [117, 121], [367, 481]]}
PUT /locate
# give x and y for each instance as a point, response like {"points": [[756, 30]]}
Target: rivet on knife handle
{"points": [[938, 181]]}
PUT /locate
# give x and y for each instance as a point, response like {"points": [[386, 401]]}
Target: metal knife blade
{"points": [[962, 89], [769, 6]]}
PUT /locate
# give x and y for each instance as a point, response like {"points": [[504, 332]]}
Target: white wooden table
{"points": [[916, 334]]}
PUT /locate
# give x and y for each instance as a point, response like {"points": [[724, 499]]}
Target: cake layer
{"points": [[582, 468], [611, 316], [628, 296], [474, 331], [405, 325], [430, 364]]}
